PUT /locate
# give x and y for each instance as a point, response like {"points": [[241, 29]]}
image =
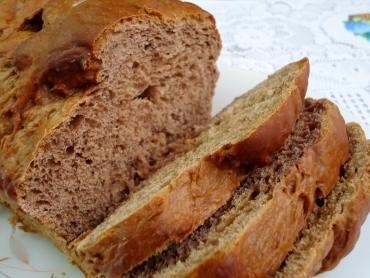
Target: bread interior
{"points": [[156, 84]]}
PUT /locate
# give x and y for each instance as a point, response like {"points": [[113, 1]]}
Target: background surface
{"points": [[262, 36]]}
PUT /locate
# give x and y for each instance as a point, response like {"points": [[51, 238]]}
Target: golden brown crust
{"points": [[166, 218], [332, 236], [86, 21], [347, 225], [258, 147], [259, 251], [346, 230]]}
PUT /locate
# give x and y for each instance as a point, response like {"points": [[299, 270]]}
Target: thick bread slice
{"points": [[251, 235], [334, 227], [95, 96], [182, 195]]}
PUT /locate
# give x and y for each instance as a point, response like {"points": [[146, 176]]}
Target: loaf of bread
{"points": [[251, 235], [96, 95], [183, 194], [334, 226]]}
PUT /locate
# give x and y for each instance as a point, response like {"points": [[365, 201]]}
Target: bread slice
{"points": [[334, 227], [253, 232], [178, 198], [95, 96]]}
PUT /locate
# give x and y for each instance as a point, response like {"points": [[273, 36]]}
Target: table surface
{"points": [[262, 36]]}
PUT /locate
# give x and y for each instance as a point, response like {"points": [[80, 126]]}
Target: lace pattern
{"points": [[262, 36]]}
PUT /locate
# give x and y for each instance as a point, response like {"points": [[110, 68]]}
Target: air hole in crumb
{"points": [[51, 162], [254, 194], [124, 193], [217, 123], [42, 203], [70, 149], [149, 93], [267, 179], [313, 126], [319, 194], [89, 161], [342, 171], [33, 164], [135, 65], [36, 191], [76, 121], [175, 117], [137, 179], [98, 257], [152, 162], [8, 114], [33, 24], [278, 167], [320, 202]]}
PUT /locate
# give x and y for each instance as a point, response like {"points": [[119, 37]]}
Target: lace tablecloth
{"points": [[261, 36]]}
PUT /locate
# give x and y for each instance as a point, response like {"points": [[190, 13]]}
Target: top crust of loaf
{"points": [[70, 62]]}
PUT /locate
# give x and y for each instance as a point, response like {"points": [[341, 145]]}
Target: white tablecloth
{"points": [[264, 35]]}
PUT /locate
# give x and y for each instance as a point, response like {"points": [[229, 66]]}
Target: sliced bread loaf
{"points": [[95, 95], [182, 195], [251, 235], [334, 226]]}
